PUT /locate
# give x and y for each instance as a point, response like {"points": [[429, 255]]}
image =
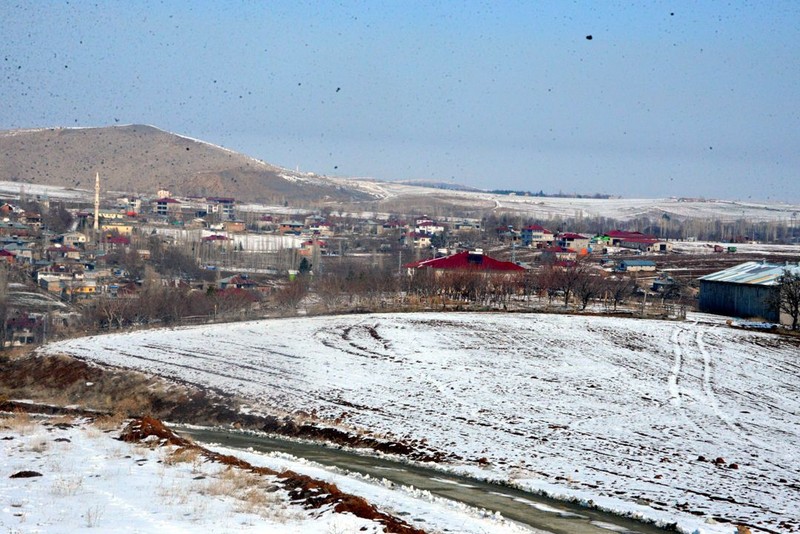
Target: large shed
{"points": [[745, 290]]}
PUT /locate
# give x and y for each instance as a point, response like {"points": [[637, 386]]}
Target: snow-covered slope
{"points": [[629, 413], [89, 481]]}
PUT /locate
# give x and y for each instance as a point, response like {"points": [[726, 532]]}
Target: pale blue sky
{"points": [[667, 98]]}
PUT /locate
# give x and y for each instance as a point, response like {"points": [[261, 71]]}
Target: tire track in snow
{"points": [[713, 401], [672, 380]]}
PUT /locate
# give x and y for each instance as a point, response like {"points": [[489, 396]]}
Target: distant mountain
{"points": [[142, 159]]}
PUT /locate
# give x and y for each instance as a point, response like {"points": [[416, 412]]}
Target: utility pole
{"points": [[97, 207]]}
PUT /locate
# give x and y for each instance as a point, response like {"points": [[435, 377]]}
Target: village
{"points": [[136, 261]]}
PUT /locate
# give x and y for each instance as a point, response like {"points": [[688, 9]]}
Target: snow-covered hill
{"points": [[689, 422]]}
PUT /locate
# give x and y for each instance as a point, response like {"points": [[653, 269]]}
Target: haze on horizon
{"points": [[667, 99]]}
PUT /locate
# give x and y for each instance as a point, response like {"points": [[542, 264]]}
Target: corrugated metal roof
{"points": [[753, 272], [638, 263]]}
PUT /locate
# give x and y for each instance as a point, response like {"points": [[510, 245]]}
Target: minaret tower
{"points": [[97, 203]]}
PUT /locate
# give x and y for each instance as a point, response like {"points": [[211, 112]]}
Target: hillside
{"points": [[143, 159], [653, 419]]}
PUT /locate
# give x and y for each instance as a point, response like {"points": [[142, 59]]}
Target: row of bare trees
{"points": [[357, 286]]}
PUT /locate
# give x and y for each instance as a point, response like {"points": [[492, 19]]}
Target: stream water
{"points": [[539, 512]]}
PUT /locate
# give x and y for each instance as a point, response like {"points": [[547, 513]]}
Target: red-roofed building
{"points": [[118, 241], [466, 261], [6, 256], [215, 238], [615, 237], [577, 242]]}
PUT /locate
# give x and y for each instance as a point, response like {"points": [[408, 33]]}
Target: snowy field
{"points": [[91, 482], [623, 209], [628, 413]]}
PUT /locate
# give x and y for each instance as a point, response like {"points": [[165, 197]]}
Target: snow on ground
{"points": [[707, 247], [623, 209], [14, 189], [246, 242], [612, 409], [91, 481]]}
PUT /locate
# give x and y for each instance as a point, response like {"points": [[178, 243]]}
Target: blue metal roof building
{"points": [[746, 290]]}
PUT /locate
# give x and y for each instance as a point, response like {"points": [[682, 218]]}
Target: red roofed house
{"points": [[6, 256], [577, 242], [638, 241], [475, 261], [537, 236], [115, 242]]}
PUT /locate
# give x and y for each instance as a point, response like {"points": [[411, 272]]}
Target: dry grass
{"points": [[37, 445], [19, 421], [64, 420], [110, 422], [250, 494], [184, 455], [66, 486]]}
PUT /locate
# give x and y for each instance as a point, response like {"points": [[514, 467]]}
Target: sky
{"points": [[673, 98]]}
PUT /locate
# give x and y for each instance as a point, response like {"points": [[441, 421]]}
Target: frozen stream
{"points": [[533, 510]]}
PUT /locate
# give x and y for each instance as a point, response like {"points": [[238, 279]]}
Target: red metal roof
{"points": [[570, 235], [466, 261], [623, 234], [537, 228]]}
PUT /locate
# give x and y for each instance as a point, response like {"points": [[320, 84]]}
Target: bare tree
{"points": [[619, 289], [787, 297], [588, 286]]}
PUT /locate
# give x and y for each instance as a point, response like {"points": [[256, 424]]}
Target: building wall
{"points": [[737, 300]]}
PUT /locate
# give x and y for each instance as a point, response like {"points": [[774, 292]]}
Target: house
{"points": [[635, 266], [646, 245], [222, 205], [117, 242], [233, 226], [6, 256], [321, 228], [32, 219], [237, 281], [265, 223], [166, 206], [63, 252], [536, 236], [22, 330], [467, 225], [117, 227], [307, 247], [474, 260], [73, 239], [615, 237], [557, 253], [291, 228], [746, 290], [419, 240], [392, 227], [216, 239], [428, 227], [14, 228], [576, 242]]}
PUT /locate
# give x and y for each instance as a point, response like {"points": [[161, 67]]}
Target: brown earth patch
{"points": [[56, 381]]}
